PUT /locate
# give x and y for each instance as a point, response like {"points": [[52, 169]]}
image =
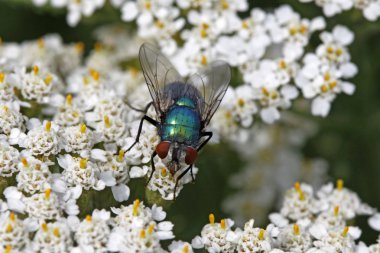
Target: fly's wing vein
{"points": [[212, 83], [158, 73]]}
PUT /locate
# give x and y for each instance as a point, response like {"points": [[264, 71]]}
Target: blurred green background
{"points": [[349, 138]]}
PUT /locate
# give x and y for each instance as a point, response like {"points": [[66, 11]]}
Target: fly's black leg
{"points": [[180, 177], [139, 110], [208, 136], [192, 175], [151, 121], [153, 166]]}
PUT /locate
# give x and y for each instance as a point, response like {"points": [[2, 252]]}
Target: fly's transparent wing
{"points": [[158, 72], [212, 83]]}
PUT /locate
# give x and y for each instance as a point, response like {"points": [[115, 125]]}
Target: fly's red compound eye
{"points": [[162, 149], [191, 155]]}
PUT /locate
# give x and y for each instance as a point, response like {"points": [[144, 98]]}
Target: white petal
{"points": [[73, 222], [158, 213], [270, 115], [362, 248], [197, 243], [318, 231], [317, 23], [348, 88], [59, 185], [320, 107], [349, 70], [76, 191], [12, 193], [355, 232], [372, 12], [289, 92], [16, 205], [136, 172], [165, 235], [31, 224], [330, 9], [232, 237], [107, 178], [120, 192], [99, 154], [33, 123], [145, 19], [343, 35], [374, 222], [165, 226], [15, 136], [101, 215], [73, 18]]}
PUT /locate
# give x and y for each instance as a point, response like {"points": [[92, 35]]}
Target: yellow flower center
{"points": [[211, 219], [336, 211], [241, 102], [69, 99], [9, 228], [296, 229], [339, 184], [24, 162], [107, 121], [324, 88], [136, 205], [47, 193], [79, 47], [41, 43], [56, 232], [151, 228], [8, 249], [282, 64], [36, 70], [204, 60], [12, 216], [159, 24], [121, 155], [48, 79], [82, 163], [94, 74], [223, 223], [44, 227], [148, 5], [48, 126], [345, 231], [261, 234], [83, 128], [142, 233]]}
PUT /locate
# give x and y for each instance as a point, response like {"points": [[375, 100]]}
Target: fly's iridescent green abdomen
{"points": [[182, 123]]}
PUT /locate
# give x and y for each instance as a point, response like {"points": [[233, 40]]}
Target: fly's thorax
{"points": [[181, 124]]}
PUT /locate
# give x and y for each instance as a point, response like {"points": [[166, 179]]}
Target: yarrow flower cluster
{"points": [[267, 48], [307, 222], [133, 228], [370, 8]]}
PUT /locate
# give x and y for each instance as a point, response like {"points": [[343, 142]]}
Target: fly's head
{"points": [[176, 154]]}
